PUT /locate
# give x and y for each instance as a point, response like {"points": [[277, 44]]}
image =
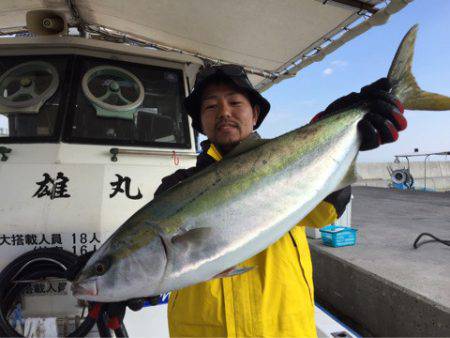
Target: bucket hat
{"points": [[234, 74]]}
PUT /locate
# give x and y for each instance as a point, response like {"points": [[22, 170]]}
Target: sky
{"points": [[362, 61]]}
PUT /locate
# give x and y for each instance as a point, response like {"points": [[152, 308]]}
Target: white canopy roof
{"points": [[273, 39]]}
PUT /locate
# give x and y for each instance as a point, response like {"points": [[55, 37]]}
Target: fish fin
{"points": [[234, 271], [404, 85], [350, 177]]}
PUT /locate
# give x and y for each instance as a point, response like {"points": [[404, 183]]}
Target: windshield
{"points": [[126, 103], [30, 96], [103, 101]]}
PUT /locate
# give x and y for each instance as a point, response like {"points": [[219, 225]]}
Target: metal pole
{"points": [[357, 4], [425, 173]]}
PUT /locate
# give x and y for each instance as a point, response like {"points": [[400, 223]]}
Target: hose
{"points": [[34, 265], [435, 239]]}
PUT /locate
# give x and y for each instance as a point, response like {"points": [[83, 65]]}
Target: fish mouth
{"points": [[88, 288]]}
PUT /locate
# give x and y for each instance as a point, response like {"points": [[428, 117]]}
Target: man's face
{"points": [[227, 116]]}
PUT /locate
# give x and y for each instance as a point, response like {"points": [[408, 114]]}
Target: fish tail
{"points": [[404, 85]]}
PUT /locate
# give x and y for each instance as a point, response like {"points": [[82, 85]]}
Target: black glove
{"points": [[384, 119], [339, 199], [136, 304]]}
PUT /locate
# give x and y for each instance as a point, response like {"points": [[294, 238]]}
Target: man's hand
{"points": [[384, 119], [339, 199]]}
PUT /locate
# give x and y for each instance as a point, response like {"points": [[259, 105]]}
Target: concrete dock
{"points": [[382, 286]]}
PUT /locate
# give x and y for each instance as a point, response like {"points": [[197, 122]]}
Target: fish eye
{"points": [[101, 267]]}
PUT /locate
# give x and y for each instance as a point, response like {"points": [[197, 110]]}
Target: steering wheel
{"points": [[113, 82], [24, 88]]}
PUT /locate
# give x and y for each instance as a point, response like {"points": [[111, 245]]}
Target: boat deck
{"points": [[382, 285]]}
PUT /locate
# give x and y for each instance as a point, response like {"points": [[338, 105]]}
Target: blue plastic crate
{"points": [[336, 235]]}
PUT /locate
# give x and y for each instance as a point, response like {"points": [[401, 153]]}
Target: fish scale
{"points": [[235, 208]]}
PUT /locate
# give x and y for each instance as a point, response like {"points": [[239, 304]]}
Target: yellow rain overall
{"points": [[274, 299]]}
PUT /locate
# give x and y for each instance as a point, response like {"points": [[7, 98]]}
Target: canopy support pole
{"points": [[356, 4]]}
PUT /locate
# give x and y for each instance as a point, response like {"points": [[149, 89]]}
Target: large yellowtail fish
{"points": [[206, 225]]}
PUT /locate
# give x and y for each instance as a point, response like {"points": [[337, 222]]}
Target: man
{"points": [[276, 298]]}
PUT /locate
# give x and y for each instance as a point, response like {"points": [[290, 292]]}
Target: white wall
{"points": [[437, 174]]}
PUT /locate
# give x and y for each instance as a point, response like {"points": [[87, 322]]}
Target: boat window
{"points": [[125, 103], [30, 95]]}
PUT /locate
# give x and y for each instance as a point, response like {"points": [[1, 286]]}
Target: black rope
{"points": [[435, 239]]}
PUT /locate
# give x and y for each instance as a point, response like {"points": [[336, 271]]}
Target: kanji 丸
{"points": [[117, 187]]}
